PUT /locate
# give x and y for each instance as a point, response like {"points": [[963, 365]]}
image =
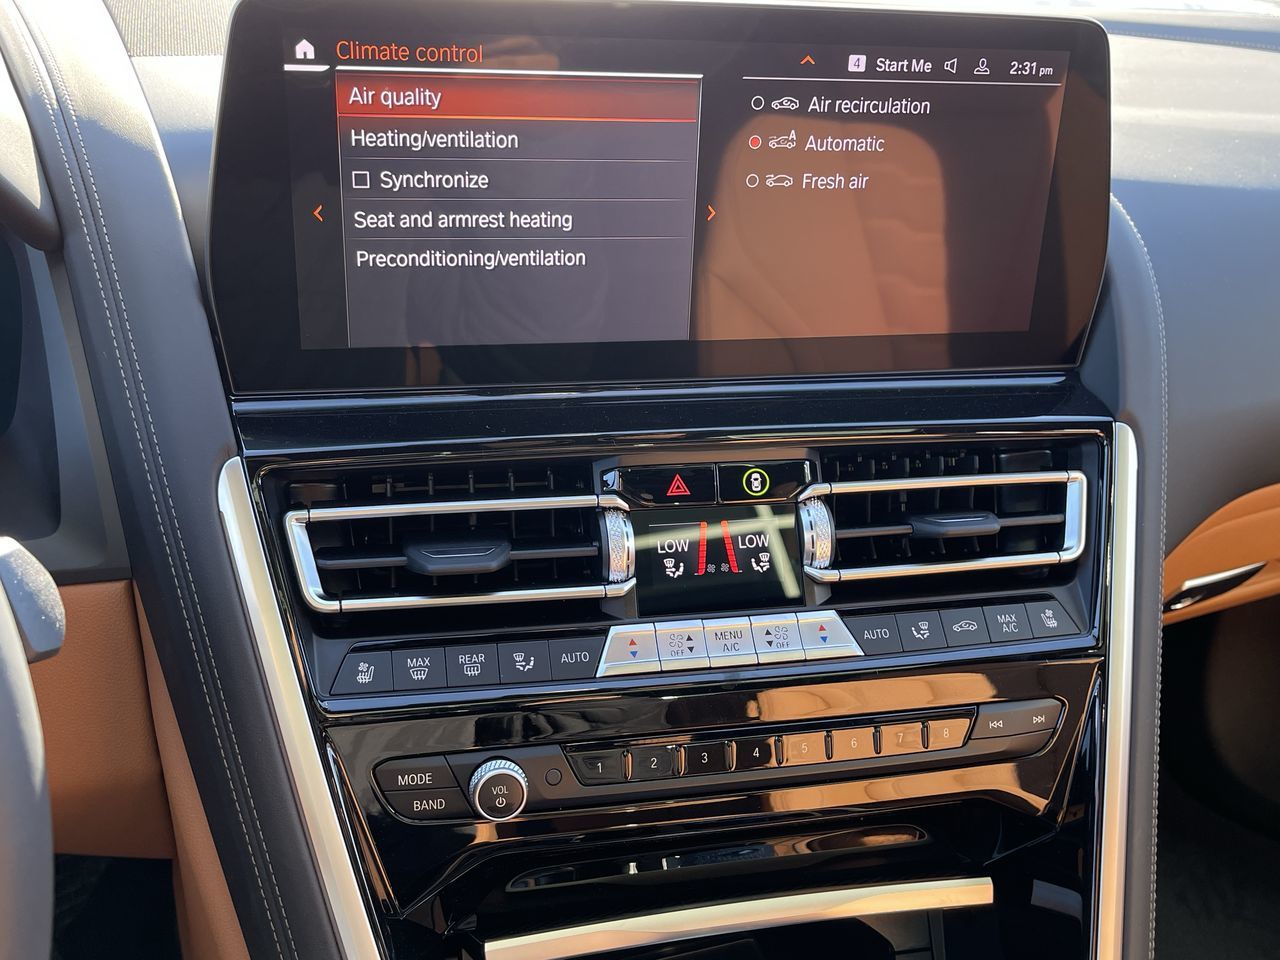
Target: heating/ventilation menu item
{"points": [[510, 207]]}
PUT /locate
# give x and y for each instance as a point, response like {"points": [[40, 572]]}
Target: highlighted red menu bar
{"points": [[489, 208]]}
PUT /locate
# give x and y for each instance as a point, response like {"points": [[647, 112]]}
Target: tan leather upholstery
{"points": [[1245, 531], [207, 922], [105, 782]]}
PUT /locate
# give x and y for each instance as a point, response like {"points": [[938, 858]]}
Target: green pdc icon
{"points": [[755, 482]]}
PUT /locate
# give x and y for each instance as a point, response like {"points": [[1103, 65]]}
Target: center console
{"points": [[674, 518]]}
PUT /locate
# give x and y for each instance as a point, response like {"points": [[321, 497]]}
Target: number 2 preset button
{"points": [[653, 763]]}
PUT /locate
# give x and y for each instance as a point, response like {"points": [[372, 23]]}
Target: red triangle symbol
{"points": [[631, 644], [678, 487]]}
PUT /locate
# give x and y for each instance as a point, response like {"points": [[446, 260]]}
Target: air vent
{"points": [[914, 511], [457, 536]]}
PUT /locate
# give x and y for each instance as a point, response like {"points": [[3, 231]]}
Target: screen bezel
{"points": [[251, 266]]}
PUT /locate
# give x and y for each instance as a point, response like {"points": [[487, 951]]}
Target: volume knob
{"points": [[499, 789]]}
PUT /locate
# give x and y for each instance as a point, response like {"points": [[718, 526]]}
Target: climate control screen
{"points": [[716, 558]]}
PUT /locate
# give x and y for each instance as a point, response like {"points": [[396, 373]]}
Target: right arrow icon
{"points": [[711, 212]]}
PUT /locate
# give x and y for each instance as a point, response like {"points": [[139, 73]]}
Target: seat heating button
{"points": [[428, 805], [363, 673], [682, 645], [414, 773], [729, 641], [1049, 619], [824, 635], [653, 763], [965, 627], [898, 738], [630, 649], [1008, 622], [777, 638], [1012, 719]]}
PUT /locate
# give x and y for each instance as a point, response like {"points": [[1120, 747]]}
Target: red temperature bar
{"points": [[481, 96]]}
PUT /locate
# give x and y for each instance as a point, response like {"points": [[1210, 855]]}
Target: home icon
{"points": [[304, 51]]}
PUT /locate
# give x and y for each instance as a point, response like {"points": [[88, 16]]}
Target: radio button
{"points": [[682, 645], [755, 753], [701, 758], [632, 649], [777, 639], [729, 641], [598, 766], [801, 748], [858, 743], [898, 738], [824, 635], [948, 734], [653, 763], [875, 634], [414, 773]]}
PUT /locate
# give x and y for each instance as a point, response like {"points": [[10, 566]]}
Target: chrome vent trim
{"points": [[818, 533], [622, 546], [1073, 527], [297, 522]]}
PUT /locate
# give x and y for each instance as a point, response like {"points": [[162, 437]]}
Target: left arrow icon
{"points": [[316, 213]]}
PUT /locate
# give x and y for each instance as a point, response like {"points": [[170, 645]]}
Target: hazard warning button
{"points": [[664, 486]]}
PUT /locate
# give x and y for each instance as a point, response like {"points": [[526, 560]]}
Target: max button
{"points": [[418, 669]]}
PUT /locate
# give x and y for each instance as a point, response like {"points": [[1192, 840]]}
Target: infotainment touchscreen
{"points": [[493, 193]]}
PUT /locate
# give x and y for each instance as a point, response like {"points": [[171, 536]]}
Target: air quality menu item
{"points": [[491, 208], [696, 559]]}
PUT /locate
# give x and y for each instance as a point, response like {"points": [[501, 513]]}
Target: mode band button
{"points": [[427, 805], [414, 773]]}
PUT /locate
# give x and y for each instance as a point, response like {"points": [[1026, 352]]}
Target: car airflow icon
{"points": [[964, 626]]}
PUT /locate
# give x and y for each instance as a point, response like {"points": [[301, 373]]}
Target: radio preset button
{"points": [[682, 645], [899, 738], [729, 641], [755, 753], [802, 748], [598, 766], [777, 639], [653, 763], [824, 635], [948, 734], [858, 743], [703, 758], [631, 649]]}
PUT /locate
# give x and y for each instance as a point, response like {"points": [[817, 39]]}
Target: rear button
{"points": [[427, 805]]}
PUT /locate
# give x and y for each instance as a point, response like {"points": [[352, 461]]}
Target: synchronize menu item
{"points": [[497, 207]]}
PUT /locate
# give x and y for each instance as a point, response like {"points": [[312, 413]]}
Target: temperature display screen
{"points": [[717, 558]]}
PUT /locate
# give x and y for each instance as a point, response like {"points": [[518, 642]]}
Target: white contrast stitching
{"points": [[1164, 481], [57, 76]]}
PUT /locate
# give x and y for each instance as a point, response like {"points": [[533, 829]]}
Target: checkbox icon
{"points": [[359, 179]]}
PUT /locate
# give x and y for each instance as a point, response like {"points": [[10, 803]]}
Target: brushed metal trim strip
{"points": [[378, 511], [1114, 817], [839, 487], [672, 926], [1209, 579], [312, 794]]}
